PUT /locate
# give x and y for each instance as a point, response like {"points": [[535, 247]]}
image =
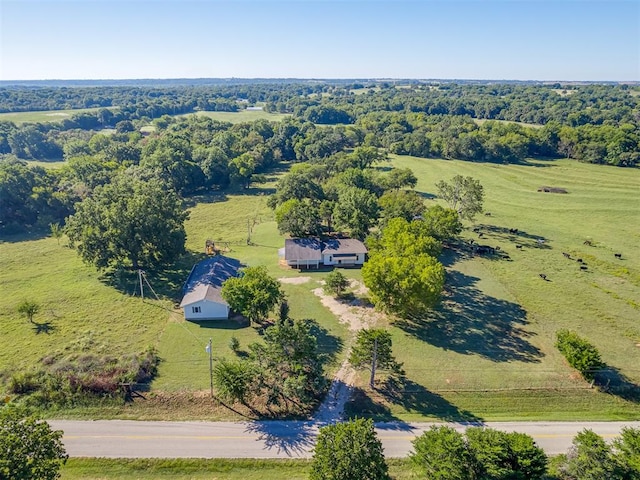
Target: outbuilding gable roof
{"points": [[206, 279], [202, 292]]}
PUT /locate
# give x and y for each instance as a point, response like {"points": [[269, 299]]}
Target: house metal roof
{"points": [[206, 279], [302, 249], [339, 246]]}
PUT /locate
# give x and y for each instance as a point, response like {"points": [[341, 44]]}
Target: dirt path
{"points": [[356, 317]]}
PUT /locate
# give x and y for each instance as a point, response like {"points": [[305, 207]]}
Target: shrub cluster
{"points": [[485, 454], [581, 355], [71, 379]]}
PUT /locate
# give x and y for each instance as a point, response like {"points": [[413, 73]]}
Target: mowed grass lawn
{"points": [[195, 469], [487, 352]]}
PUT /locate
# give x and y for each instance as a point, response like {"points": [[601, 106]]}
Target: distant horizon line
{"points": [[309, 79]]}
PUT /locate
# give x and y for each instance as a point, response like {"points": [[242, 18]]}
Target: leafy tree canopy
{"points": [[349, 451], [298, 218], [405, 239], [465, 195], [405, 204], [403, 285], [372, 350], [30, 449], [254, 294], [129, 223]]}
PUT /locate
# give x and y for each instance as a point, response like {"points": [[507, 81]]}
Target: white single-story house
{"points": [[202, 299], [344, 251], [313, 253]]}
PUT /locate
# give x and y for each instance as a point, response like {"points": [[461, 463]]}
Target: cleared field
{"points": [[488, 351], [242, 116], [42, 116]]}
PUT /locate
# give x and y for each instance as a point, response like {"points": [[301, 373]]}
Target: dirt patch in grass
{"points": [[294, 280]]}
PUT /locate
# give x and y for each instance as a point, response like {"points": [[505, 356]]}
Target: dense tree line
{"points": [[591, 123], [596, 124]]}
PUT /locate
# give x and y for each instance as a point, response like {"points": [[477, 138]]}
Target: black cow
{"points": [[618, 255]]}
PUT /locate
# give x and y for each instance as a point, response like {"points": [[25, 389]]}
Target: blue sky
{"points": [[472, 39]]}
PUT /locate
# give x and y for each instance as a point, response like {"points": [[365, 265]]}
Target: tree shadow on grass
{"points": [[514, 235], [427, 195], [220, 324], [412, 397], [289, 437], [329, 345], [45, 327], [473, 323], [209, 197], [166, 283], [610, 380]]}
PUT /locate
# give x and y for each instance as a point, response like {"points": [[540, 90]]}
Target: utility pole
{"points": [[141, 287], [210, 350]]}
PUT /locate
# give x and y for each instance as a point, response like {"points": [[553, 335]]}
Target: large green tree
{"points": [[349, 451], [404, 238], [463, 194], [130, 222], [356, 211], [298, 218], [502, 455], [627, 448], [442, 223], [253, 294], [403, 285], [405, 204], [486, 454], [29, 449]]}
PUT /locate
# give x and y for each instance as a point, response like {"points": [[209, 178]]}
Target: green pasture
{"points": [[241, 116], [487, 352], [44, 116], [81, 311]]}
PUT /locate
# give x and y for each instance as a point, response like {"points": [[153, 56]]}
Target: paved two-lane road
{"points": [[274, 439]]}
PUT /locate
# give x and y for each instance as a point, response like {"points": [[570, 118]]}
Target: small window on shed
{"points": [[195, 309]]}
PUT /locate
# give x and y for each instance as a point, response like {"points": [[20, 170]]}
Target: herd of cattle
{"points": [[478, 249]]}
